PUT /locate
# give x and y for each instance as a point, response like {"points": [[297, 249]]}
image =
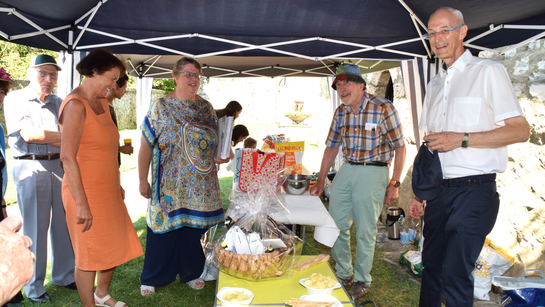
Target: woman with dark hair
{"points": [[240, 132], [100, 228], [233, 108], [5, 85], [179, 136]]}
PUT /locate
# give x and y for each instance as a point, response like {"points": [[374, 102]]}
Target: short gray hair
{"points": [[459, 16], [179, 65]]}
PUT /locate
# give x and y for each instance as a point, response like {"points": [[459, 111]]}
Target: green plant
{"points": [[167, 85], [15, 58]]}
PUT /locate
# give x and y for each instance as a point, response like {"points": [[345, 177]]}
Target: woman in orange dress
{"points": [[100, 228]]}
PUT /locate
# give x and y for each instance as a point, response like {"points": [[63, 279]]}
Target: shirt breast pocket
{"points": [[467, 111], [368, 138]]}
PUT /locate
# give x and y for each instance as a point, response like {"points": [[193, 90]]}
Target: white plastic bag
{"points": [[493, 261]]}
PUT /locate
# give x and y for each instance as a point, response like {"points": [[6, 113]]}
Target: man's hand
{"points": [[126, 149], [444, 141], [16, 259], [317, 189], [392, 194], [416, 208], [32, 134]]}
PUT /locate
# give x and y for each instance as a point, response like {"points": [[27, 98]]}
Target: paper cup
{"points": [[128, 142]]}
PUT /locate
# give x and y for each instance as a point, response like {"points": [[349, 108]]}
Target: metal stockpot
{"points": [[392, 218]]}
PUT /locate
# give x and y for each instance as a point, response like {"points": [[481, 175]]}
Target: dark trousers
{"points": [[177, 252], [456, 224]]}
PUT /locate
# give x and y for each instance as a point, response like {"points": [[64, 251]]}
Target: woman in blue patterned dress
{"points": [[178, 140]]}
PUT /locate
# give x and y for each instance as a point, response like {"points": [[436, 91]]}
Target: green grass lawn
{"points": [[389, 288]]}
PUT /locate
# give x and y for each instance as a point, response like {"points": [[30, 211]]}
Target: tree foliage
{"points": [[16, 58], [167, 85]]}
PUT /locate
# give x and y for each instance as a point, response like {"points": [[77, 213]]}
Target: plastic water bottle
{"points": [[412, 232], [404, 234], [420, 236]]}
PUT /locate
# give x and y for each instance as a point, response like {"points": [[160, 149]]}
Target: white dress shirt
{"points": [[472, 95]]}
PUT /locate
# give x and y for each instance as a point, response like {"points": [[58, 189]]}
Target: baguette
{"points": [[303, 265], [301, 303]]}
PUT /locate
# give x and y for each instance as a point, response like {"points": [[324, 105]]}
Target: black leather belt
{"points": [[373, 163], [39, 157], [468, 181]]}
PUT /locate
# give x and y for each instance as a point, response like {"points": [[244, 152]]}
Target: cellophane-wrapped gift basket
{"points": [[254, 246]]}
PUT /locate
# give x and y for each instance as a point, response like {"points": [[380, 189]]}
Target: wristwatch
{"points": [[465, 140], [396, 184]]}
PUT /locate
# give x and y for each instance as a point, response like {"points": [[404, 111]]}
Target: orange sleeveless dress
{"points": [[112, 239]]}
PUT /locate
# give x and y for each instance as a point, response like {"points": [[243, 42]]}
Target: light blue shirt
{"points": [[23, 104]]}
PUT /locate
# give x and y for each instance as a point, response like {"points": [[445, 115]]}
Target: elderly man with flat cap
{"points": [[369, 130], [472, 114], [34, 138]]}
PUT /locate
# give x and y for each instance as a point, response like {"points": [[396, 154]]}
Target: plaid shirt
{"points": [[370, 134]]}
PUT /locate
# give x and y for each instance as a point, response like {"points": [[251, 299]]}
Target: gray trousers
{"points": [[38, 184]]}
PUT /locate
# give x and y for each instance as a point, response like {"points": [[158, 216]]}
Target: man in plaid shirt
{"points": [[369, 130]]}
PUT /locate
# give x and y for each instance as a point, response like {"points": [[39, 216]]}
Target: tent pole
{"points": [[335, 103], [414, 94], [143, 97]]}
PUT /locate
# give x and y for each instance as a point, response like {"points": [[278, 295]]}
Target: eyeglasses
{"points": [[190, 75], [441, 32], [44, 74]]}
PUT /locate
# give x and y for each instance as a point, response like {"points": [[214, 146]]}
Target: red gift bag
{"points": [[260, 170]]}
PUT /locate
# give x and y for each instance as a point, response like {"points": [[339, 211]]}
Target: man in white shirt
{"points": [[471, 114]]}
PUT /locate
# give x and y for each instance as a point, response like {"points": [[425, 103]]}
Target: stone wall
{"points": [[376, 85], [125, 108], [522, 186]]}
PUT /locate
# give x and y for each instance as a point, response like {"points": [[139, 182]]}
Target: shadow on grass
{"points": [[389, 289], [127, 283], [125, 286]]}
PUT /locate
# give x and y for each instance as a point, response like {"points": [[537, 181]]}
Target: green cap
{"points": [[44, 59]]}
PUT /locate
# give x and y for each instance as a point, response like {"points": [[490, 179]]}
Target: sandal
{"points": [[102, 302], [196, 284], [147, 290]]}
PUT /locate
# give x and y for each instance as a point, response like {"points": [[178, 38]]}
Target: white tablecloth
{"points": [[308, 209]]}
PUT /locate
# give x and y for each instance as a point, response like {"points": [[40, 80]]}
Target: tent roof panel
{"points": [[132, 27]]}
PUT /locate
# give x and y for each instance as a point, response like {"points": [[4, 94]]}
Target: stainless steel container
{"points": [[392, 218], [296, 184]]}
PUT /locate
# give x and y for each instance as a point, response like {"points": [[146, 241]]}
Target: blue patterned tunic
{"points": [[184, 186]]}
